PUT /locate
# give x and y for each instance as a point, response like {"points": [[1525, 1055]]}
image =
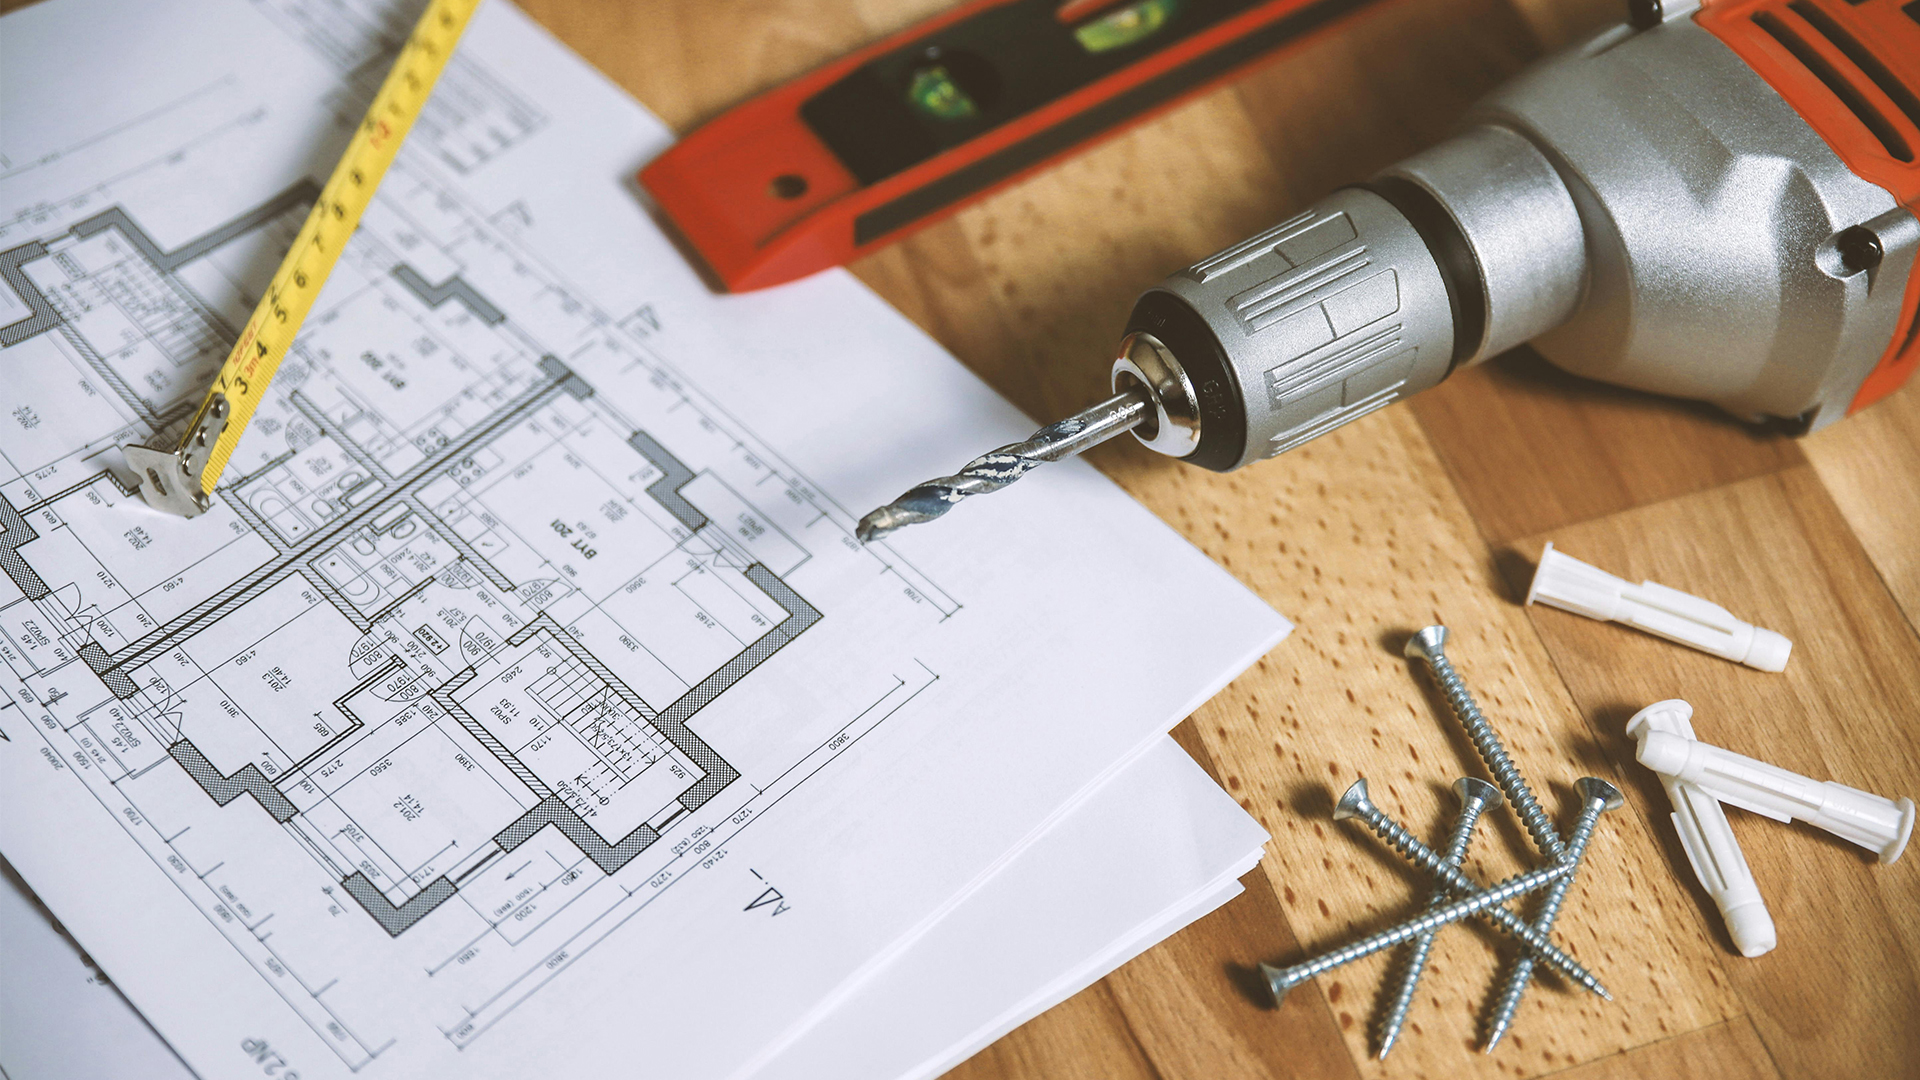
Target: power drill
{"points": [[1715, 201]]}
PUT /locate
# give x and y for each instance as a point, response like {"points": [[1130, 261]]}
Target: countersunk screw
{"points": [[1596, 798], [1430, 645], [1476, 797], [1281, 980], [1355, 804]]}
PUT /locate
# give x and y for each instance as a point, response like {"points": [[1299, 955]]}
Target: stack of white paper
{"points": [[525, 703], [1148, 853], [60, 1019]]}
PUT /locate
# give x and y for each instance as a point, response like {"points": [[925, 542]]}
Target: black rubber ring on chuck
{"points": [[1459, 267], [1223, 408]]}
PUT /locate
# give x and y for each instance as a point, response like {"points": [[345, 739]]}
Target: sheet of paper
{"points": [[524, 703], [1065, 987], [1145, 844], [1142, 857], [60, 1019]]}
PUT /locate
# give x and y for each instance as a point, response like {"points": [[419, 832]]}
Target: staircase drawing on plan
{"points": [[453, 618]]}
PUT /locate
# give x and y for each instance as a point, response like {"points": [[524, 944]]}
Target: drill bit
{"points": [[998, 468]]}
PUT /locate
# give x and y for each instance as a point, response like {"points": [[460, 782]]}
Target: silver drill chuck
{"points": [[1320, 320], [1317, 321]]}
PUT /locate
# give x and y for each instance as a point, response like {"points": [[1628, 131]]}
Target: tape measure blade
{"points": [[276, 320]]}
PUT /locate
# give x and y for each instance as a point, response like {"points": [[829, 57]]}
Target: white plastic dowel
{"points": [[1565, 582], [1708, 840], [1860, 817]]}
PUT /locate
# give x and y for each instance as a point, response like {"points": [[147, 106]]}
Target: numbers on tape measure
{"points": [[269, 332]]}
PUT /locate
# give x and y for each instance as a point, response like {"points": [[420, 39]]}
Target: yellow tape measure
{"points": [[182, 479]]}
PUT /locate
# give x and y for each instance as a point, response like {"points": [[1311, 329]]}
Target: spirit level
{"points": [[897, 135]]}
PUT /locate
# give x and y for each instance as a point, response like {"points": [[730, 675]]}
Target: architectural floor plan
{"points": [[447, 597], [499, 628]]}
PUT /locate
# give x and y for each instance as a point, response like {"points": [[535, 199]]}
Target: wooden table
{"points": [[1429, 512], [1426, 512]]}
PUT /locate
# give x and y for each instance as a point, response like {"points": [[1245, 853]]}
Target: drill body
{"points": [[1717, 204]]}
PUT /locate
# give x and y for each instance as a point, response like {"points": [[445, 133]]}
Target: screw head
{"points": [[1645, 14], [1428, 643], [1859, 248], [1279, 980], [1472, 789], [1353, 802], [1593, 789]]}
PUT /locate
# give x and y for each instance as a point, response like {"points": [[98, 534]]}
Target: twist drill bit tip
{"points": [[998, 468]]}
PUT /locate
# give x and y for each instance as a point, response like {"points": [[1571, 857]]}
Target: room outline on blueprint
{"points": [[435, 659]]}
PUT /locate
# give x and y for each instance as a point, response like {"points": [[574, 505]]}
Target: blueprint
{"points": [[521, 702], [1150, 841]]}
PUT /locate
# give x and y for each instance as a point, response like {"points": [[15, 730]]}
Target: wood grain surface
{"points": [[1427, 512]]}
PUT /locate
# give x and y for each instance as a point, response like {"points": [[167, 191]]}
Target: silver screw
{"points": [[1430, 645], [1355, 804], [1596, 798], [1282, 980], [1476, 797]]}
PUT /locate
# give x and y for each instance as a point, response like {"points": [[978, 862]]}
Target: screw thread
{"points": [[1410, 846], [1494, 753], [1283, 979], [1508, 1004], [1424, 857], [1402, 1004], [1521, 973]]}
